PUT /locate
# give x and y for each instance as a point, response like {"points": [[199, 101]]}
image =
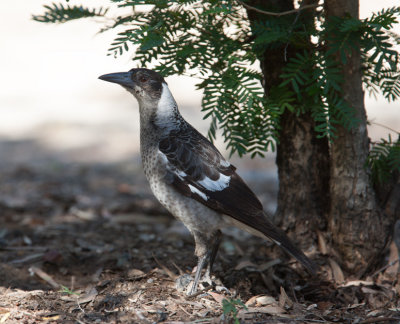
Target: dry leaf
{"points": [[252, 301], [357, 283], [312, 306], [265, 300], [356, 305], [393, 256], [88, 297], [367, 290], [136, 274], [284, 299], [261, 300], [337, 271], [322, 244], [324, 305], [245, 264], [272, 310], [4, 317], [217, 297], [375, 312], [269, 264], [53, 317]]}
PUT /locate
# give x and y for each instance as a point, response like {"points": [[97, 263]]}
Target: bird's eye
{"points": [[143, 79]]}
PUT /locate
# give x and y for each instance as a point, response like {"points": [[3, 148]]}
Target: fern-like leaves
{"points": [[214, 41], [384, 160], [58, 13]]}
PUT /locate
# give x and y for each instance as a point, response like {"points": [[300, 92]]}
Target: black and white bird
{"points": [[190, 177]]}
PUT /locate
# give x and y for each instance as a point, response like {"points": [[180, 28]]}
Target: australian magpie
{"points": [[190, 177]]}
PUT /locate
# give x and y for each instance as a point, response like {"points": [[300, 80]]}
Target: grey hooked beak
{"points": [[122, 78]]}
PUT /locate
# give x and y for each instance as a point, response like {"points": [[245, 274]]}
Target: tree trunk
{"points": [[303, 167], [359, 230], [318, 182], [302, 159]]}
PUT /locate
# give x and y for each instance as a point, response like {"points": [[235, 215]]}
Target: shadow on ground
{"points": [[88, 243]]}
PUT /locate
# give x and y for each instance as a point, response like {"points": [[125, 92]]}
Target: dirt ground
{"points": [[88, 243]]}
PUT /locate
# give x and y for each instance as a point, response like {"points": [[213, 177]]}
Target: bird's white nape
{"points": [[166, 107]]}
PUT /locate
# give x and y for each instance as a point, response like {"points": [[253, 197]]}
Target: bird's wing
{"points": [[197, 170]]}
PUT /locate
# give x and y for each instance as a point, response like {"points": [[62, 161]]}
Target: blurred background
{"points": [[52, 106]]}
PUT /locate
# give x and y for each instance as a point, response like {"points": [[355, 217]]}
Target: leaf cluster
{"points": [[229, 307], [384, 160], [58, 13], [214, 41], [381, 60], [209, 40], [316, 79]]}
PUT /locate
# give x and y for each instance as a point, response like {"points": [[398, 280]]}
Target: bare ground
{"points": [[84, 243]]}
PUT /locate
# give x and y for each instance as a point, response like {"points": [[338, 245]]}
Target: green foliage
{"points": [[68, 291], [384, 160], [229, 307], [214, 41], [190, 36], [58, 13], [381, 60], [316, 79]]}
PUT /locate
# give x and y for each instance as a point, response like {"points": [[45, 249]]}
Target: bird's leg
{"points": [[205, 254], [202, 243], [200, 265], [213, 253]]}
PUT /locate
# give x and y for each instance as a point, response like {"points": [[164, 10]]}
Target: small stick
{"points": [[200, 292], [385, 267], [43, 275]]}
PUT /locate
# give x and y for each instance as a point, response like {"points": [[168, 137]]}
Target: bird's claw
{"points": [[184, 284]]}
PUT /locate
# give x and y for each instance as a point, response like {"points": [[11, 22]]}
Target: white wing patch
{"points": [[198, 192], [215, 185], [277, 243], [180, 173], [225, 163]]}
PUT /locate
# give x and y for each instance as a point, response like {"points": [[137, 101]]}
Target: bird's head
{"points": [[156, 102], [146, 85]]}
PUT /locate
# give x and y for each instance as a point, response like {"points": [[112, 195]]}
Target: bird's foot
{"points": [[184, 284]]}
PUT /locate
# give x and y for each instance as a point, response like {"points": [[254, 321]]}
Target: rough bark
{"points": [[303, 162], [359, 230], [302, 159]]}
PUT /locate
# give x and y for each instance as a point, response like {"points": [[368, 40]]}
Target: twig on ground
{"points": [[385, 267], [379, 319], [170, 274], [44, 276], [181, 272], [200, 292], [31, 258], [184, 310]]}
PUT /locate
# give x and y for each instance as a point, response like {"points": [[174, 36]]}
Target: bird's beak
{"points": [[122, 78]]}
